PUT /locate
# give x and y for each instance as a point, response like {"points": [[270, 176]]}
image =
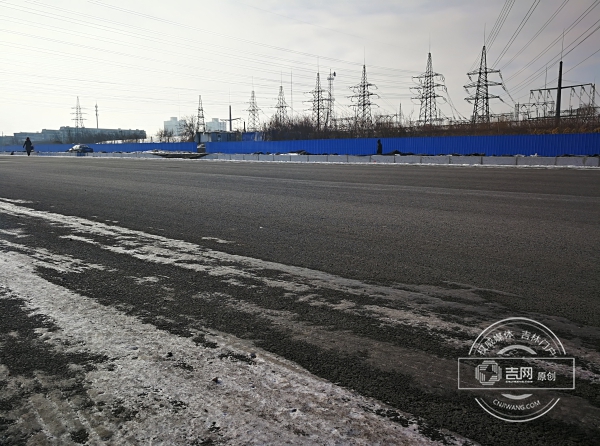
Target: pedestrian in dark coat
{"points": [[379, 147], [28, 146]]}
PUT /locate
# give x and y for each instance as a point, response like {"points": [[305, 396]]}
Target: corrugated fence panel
{"points": [[542, 145], [111, 148]]}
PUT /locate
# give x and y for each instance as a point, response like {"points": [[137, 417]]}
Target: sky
{"points": [[144, 61]]}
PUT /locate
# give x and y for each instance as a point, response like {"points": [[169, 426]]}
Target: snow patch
{"points": [[179, 391]]}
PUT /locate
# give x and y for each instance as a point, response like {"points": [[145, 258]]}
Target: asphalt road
{"points": [[475, 245]]}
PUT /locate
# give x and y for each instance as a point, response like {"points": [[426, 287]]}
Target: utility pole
{"points": [[558, 93], [292, 94], [428, 114], [331, 101], [481, 99], [230, 120], [96, 116], [400, 113]]}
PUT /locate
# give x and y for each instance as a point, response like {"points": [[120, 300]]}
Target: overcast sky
{"points": [[143, 61]]}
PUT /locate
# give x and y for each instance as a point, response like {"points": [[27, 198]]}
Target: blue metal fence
{"points": [[111, 148], [542, 145]]}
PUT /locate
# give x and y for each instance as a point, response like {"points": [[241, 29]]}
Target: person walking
{"points": [[379, 147], [28, 146]]}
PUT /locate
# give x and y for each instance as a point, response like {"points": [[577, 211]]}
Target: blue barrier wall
{"points": [[542, 145], [111, 148]]}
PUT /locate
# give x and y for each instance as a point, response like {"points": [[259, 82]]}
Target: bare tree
{"points": [[164, 135], [188, 128]]}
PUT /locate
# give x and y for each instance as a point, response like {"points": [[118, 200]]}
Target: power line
{"points": [[564, 3], [508, 4], [517, 31], [499, 23], [556, 58], [556, 40]]}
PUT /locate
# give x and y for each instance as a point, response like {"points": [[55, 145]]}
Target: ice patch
{"points": [[218, 240]]}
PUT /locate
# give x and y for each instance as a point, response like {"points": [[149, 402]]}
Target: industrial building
{"points": [[68, 135]]}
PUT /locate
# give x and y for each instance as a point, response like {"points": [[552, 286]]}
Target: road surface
{"points": [[190, 302]]}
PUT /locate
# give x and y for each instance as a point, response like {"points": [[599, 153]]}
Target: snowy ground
{"points": [[170, 389]]}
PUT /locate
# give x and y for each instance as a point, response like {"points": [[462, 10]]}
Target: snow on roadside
{"points": [[267, 402]]}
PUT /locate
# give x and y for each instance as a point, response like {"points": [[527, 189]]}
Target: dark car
{"points": [[81, 148]]}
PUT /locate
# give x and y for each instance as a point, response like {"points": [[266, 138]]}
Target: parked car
{"points": [[81, 148]]}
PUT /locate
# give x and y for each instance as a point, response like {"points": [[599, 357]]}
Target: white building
{"points": [[216, 125], [174, 125]]}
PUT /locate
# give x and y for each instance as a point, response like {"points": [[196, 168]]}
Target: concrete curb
{"points": [[524, 161], [476, 160]]}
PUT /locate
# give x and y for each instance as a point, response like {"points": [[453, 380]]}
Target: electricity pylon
{"points": [[362, 99], [426, 90], [253, 118], [79, 126], [281, 116], [319, 111], [200, 124], [481, 98]]}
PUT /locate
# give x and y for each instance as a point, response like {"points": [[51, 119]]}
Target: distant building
{"points": [[216, 125], [174, 125], [67, 135], [7, 140]]}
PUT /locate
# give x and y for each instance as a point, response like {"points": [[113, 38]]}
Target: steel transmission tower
{"points": [[362, 99], [281, 116], [429, 114], [330, 118], [200, 124], [79, 126], [78, 116], [253, 120], [481, 99], [319, 110]]}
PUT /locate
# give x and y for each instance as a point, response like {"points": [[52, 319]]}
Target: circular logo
{"points": [[515, 364]]}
